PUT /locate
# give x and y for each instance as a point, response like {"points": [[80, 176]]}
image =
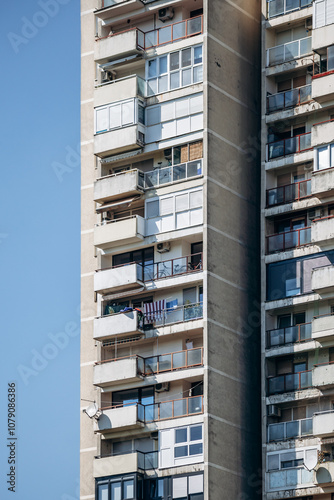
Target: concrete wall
{"points": [[116, 47], [323, 376], [323, 278], [322, 182], [323, 88], [127, 230], [112, 187], [111, 466], [116, 141], [322, 133], [116, 372], [323, 424], [323, 328], [231, 243], [117, 279], [116, 324], [322, 37]]}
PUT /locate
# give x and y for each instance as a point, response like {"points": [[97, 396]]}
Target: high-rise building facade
{"points": [[170, 350], [298, 248]]}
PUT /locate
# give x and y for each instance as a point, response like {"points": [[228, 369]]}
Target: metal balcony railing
{"points": [[164, 35], [280, 7], [288, 193], [289, 146], [162, 363], [289, 335], [163, 410], [290, 239], [173, 173], [290, 430], [290, 382], [289, 99], [289, 51], [172, 315]]}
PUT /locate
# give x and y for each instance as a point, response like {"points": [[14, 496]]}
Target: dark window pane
{"points": [[181, 451], [180, 435]]}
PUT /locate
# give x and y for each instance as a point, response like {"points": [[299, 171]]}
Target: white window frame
{"points": [[330, 156], [136, 103], [170, 72], [187, 443]]}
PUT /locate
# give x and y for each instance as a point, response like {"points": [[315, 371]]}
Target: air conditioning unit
{"points": [[308, 23], [315, 213], [166, 14], [162, 387], [106, 76], [274, 411], [168, 153], [163, 247]]}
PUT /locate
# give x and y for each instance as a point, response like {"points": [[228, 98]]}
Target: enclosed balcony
{"points": [[289, 146], [323, 327], [322, 230], [290, 382], [323, 424], [324, 474], [120, 185], [119, 278], [288, 240], [281, 7], [323, 279], [288, 193], [118, 45], [132, 368], [289, 51], [323, 375], [288, 99], [322, 133], [289, 335], [125, 323], [322, 183], [290, 430], [125, 463], [121, 417], [119, 231]]}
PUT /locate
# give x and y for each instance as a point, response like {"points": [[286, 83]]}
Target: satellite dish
{"points": [[93, 411], [311, 462]]}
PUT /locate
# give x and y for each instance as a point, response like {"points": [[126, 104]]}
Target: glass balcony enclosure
{"points": [[288, 193], [289, 99], [290, 430], [280, 7], [289, 51]]}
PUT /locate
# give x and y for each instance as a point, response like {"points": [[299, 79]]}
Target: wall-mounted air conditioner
{"points": [[163, 247], [274, 411], [162, 387], [166, 14]]}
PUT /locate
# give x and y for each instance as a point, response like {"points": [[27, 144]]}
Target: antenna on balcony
{"points": [[93, 411], [311, 462]]}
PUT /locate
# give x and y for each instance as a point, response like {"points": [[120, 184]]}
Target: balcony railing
{"points": [[289, 146], [290, 382], [164, 410], [172, 315], [289, 99], [288, 193], [171, 268], [289, 335], [290, 239], [166, 34], [175, 173], [289, 430], [289, 51], [280, 7], [145, 460], [162, 363]]}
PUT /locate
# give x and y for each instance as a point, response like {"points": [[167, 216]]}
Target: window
{"points": [[144, 395], [324, 157], [323, 13], [143, 257], [188, 441], [117, 488], [181, 445], [182, 487], [117, 115], [289, 459], [175, 70]]}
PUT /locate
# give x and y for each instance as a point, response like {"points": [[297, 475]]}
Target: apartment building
{"points": [[170, 349], [298, 248]]}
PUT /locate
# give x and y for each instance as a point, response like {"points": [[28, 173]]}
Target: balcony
{"points": [[289, 146], [176, 173], [324, 475], [134, 40], [118, 45], [120, 185], [180, 314], [322, 133], [121, 417], [119, 232], [109, 8], [322, 230], [132, 368], [290, 430], [286, 241], [281, 7], [323, 327], [289, 99], [323, 86], [118, 90], [290, 382], [323, 424], [127, 323], [295, 477], [125, 463], [289, 51], [323, 279], [323, 375], [289, 335], [119, 278], [114, 372], [119, 140], [289, 193], [322, 183]]}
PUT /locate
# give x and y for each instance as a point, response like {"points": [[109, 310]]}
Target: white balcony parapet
{"points": [[323, 327], [323, 87], [322, 182], [125, 417], [119, 231], [322, 230], [114, 186], [322, 133], [323, 424], [126, 323], [118, 278], [118, 464], [323, 279], [323, 375], [119, 45], [289, 51], [118, 371]]}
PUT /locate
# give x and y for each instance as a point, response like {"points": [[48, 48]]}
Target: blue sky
{"points": [[40, 245]]}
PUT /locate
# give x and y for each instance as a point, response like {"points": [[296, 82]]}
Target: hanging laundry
{"points": [[154, 311]]}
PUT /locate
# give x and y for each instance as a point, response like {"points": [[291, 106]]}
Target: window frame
{"points": [[123, 124]]}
